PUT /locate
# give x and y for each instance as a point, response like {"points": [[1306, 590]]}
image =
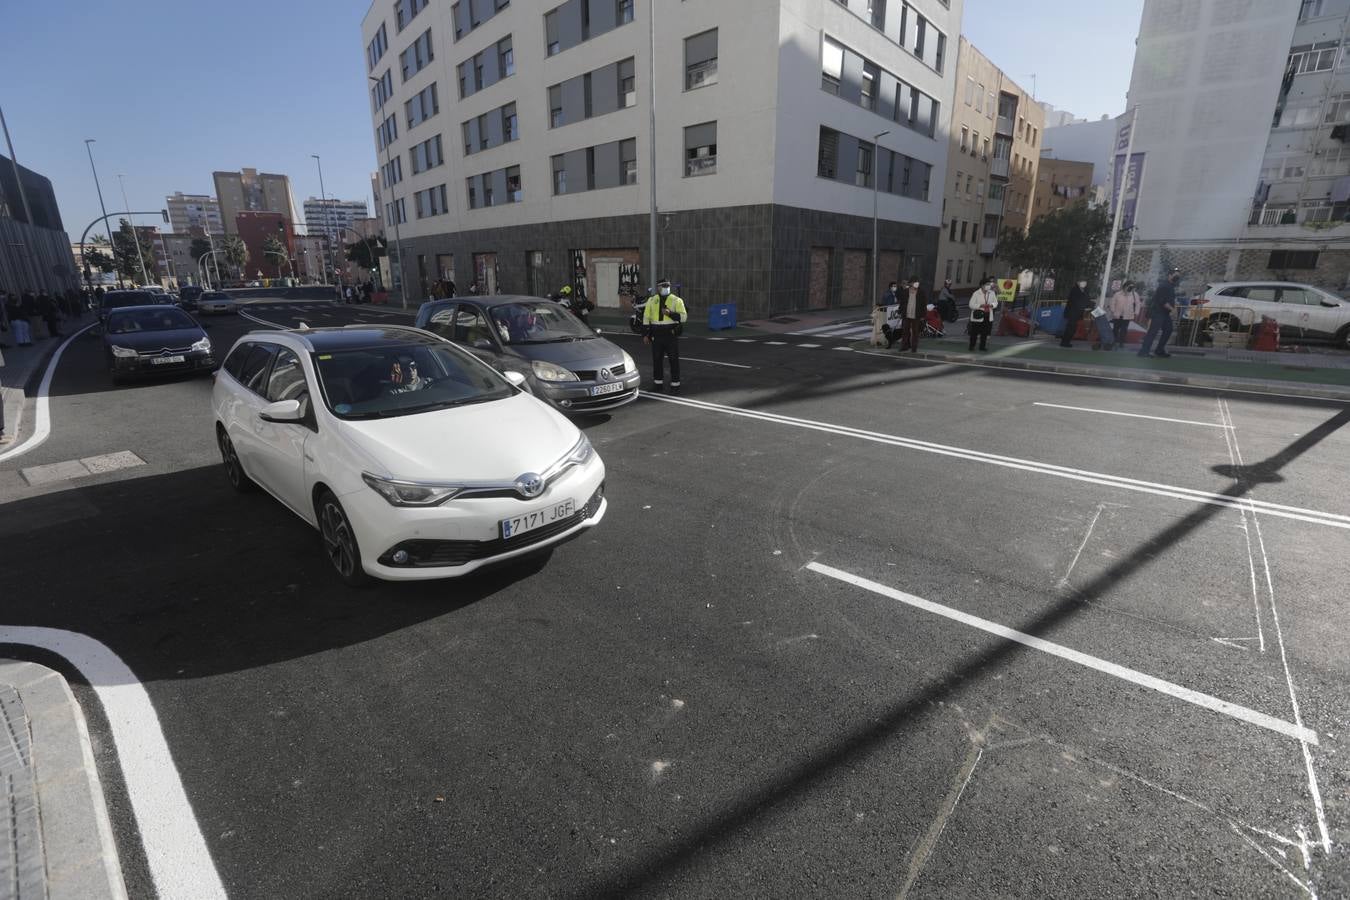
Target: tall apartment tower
{"points": [[189, 212], [993, 153], [1244, 125], [248, 190], [515, 148]]}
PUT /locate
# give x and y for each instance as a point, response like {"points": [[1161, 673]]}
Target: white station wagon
{"points": [[411, 457]]}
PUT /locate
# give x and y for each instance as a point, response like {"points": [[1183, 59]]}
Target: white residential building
{"points": [[189, 213], [331, 216], [513, 142]]}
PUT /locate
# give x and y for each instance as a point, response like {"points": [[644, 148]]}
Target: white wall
{"points": [[1084, 142], [1206, 77]]}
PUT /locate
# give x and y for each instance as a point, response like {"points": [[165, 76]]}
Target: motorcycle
{"points": [[635, 319]]}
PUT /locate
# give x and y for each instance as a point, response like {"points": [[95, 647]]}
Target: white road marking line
{"points": [[745, 340], [824, 330], [175, 850], [845, 349], [810, 346], [42, 416], [713, 362], [1296, 513], [1171, 689], [1163, 384], [264, 322], [775, 343], [1109, 412], [1064, 582], [1279, 640], [1228, 438]]}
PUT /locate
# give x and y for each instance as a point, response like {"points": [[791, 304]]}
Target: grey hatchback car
{"points": [[564, 361]]}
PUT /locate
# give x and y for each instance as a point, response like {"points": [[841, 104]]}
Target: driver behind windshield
{"points": [[404, 377]]}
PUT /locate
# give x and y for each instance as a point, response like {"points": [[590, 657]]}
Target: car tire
{"points": [[1343, 338], [234, 470], [1222, 323], [339, 541]]}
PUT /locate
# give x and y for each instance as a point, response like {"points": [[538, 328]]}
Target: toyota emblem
{"points": [[605, 375], [530, 485]]}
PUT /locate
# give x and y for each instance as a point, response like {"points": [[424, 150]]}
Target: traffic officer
{"points": [[662, 321]]}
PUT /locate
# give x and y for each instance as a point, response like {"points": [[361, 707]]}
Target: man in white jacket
{"points": [[983, 304]]}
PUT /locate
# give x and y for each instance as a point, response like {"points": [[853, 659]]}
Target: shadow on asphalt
{"points": [[184, 578], [652, 873]]}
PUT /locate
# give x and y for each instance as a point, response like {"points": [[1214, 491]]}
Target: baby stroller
{"points": [[932, 323]]}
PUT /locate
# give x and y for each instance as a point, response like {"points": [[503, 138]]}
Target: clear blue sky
{"points": [[1082, 53], [175, 89]]}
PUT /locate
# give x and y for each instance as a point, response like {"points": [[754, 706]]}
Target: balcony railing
{"points": [[1004, 125], [993, 206], [998, 168], [1308, 213], [988, 246]]}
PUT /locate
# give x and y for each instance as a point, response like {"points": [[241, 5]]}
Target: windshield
{"points": [[134, 320], [137, 298], [401, 380], [537, 322], [215, 295]]}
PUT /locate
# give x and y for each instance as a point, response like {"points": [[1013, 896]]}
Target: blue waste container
{"points": [[721, 315], [1050, 319]]}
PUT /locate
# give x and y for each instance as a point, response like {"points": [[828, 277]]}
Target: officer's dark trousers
{"points": [[665, 345]]}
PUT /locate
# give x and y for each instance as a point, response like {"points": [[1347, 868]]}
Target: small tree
{"points": [[97, 260], [1069, 244], [200, 247], [367, 253], [125, 242]]}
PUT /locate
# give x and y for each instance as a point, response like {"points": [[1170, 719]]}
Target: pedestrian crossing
{"points": [[851, 331]]}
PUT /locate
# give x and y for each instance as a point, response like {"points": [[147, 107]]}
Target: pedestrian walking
{"points": [[880, 329], [983, 303], [1073, 311], [913, 308], [1123, 308], [27, 316], [50, 313], [1160, 309], [946, 302], [663, 319], [18, 322]]}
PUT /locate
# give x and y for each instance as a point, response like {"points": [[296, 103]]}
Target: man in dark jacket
{"points": [[1073, 311], [50, 313], [1160, 309], [913, 308]]}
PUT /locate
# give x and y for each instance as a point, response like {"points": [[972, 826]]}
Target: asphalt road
{"points": [[853, 626]]}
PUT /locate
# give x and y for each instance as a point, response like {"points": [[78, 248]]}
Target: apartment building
{"points": [[194, 214], [249, 191], [332, 216], [1244, 127], [1061, 183], [514, 144], [992, 158]]}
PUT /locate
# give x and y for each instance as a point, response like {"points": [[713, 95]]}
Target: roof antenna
{"points": [[303, 326]]}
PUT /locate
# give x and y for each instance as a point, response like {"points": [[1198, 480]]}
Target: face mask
{"points": [[664, 292], [892, 289]]}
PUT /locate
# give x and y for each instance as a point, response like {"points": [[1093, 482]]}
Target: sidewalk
{"points": [[56, 842], [1320, 375], [20, 364]]}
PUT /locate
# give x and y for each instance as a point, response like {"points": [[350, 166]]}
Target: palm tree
{"points": [[273, 247], [235, 252]]}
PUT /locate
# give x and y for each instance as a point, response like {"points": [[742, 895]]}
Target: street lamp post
{"points": [[323, 200], [398, 243], [102, 208], [876, 168], [145, 277]]}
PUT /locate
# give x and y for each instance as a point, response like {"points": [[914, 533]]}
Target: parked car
{"points": [[564, 362], [412, 457], [122, 299], [1303, 311], [215, 302], [154, 340], [188, 296]]}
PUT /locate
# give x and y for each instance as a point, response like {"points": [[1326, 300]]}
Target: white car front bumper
{"points": [[463, 535]]}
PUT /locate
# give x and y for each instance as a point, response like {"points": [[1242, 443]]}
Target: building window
{"points": [[868, 95], [393, 171], [423, 106], [920, 35], [513, 192], [700, 60], [831, 66], [395, 213], [551, 33], [862, 175], [510, 125], [951, 233], [375, 49], [627, 83], [383, 90], [559, 174], [506, 58], [970, 91], [827, 157], [625, 11], [959, 176], [941, 54], [471, 184], [1309, 9], [555, 106], [984, 154], [700, 149], [876, 14], [975, 144], [979, 100], [628, 161], [427, 155], [965, 138], [1292, 259], [1319, 57], [387, 132], [571, 23], [418, 55], [963, 232]]}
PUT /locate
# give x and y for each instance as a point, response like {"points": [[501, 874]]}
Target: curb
{"points": [[80, 854], [1250, 385]]}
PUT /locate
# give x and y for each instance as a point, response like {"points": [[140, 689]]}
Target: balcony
{"points": [[993, 206], [988, 246], [998, 168], [1004, 126]]}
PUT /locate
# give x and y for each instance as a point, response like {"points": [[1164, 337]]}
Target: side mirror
{"points": [[515, 378], [1331, 303], [282, 411]]}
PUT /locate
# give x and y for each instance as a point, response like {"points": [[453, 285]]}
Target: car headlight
{"points": [[581, 452], [628, 364], [547, 371], [123, 352], [408, 493], [204, 345]]}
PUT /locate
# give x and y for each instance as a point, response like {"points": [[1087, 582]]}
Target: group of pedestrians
{"points": [[1124, 307], [22, 318], [913, 310]]}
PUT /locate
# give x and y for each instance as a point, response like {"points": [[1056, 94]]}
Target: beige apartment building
{"points": [[992, 164], [249, 190], [1061, 183]]}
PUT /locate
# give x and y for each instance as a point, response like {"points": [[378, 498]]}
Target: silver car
{"points": [[215, 302], [1303, 311], [564, 362]]}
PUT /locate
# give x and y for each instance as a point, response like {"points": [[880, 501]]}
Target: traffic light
{"points": [[165, 214]]}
